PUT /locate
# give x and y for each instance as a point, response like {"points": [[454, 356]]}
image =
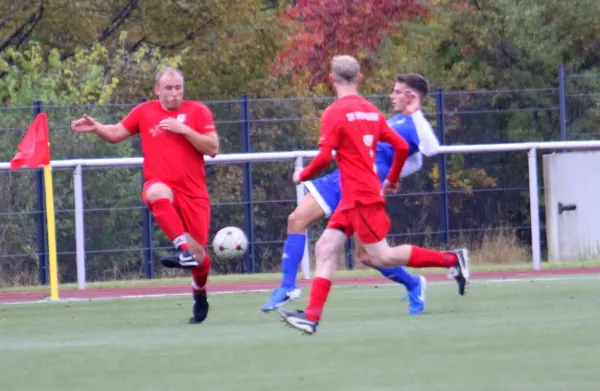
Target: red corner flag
{"points": [[34, 148]]}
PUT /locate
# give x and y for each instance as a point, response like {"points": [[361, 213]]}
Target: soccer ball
{"points": [[230, 243]]}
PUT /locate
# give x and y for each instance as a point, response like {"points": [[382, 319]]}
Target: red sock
{"points": [[168, 220], [422, 257], [317, 298], [200, 275]]}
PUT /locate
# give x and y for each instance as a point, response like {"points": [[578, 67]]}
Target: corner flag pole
{"points": [[50, 218]]}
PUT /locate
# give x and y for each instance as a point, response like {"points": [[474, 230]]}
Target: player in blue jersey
{"points": [[324, 195]]}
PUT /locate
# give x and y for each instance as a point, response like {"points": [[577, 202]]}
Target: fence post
{"points": [[298, 164], [444, 229], [350, 254], [42, 239], [562, 101], [147, 230], [249, 224], [79, 225], [534, 208]]}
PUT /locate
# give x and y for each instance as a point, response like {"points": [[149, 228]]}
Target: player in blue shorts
{"points": [[324, 195]]}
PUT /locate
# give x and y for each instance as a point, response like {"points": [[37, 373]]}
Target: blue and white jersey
{"points": [[405, 127]]}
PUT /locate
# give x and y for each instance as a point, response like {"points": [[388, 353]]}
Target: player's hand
{"points": [[296, 176], [85, 124], [389, 187], [174, 126]]}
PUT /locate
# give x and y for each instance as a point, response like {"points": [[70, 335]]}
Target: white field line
{"points": [[472, 282]]}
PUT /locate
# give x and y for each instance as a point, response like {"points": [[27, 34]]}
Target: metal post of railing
{"points": [[299, 163], [534, 208], [79, 225]]}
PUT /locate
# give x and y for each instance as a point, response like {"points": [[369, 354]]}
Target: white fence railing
{"points": [[298, 158]]}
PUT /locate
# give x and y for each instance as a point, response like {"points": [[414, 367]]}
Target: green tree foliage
{"points": [[228, 44]]}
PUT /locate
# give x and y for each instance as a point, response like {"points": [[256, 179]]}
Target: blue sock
{"points": [[401, 276], [293, 251]]}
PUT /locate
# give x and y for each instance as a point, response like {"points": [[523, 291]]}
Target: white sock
{"points": [[178, 241]]}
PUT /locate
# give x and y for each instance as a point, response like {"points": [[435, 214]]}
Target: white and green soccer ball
{"points": [[230, 243]]}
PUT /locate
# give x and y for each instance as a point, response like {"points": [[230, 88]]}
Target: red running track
{"points": [[97, 293]]}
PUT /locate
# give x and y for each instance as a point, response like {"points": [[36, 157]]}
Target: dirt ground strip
{"points": [[107, 293]]}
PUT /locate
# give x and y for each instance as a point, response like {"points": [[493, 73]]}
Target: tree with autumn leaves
{"points": [[321, 29]]}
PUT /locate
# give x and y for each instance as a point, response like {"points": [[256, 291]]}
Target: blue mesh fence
{"points": [[482, 195]]}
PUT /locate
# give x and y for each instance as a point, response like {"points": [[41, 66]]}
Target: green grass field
{"points": [[522, 335]]}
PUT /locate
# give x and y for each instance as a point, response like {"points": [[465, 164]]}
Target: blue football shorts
{"points": [[327, 191]]}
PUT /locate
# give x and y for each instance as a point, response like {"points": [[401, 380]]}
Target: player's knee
{"points": [[363, 257], [379, 253], [375, 258], [157, 191], [323, 249], [296, 223], [366, 261]]}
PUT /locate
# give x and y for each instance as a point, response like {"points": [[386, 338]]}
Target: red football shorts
{"points": [[370, 222], [194, 213]]}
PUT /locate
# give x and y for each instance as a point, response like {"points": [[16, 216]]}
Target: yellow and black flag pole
{"points": [[34, 151]]}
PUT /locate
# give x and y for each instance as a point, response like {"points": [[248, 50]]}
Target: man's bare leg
{"points": [[308, 212]]}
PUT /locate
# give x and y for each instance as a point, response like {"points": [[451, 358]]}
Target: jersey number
{"points": [[368, 140]]}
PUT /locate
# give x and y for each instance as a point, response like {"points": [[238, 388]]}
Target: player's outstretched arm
{"points": [[318, 164], [110, 133]]}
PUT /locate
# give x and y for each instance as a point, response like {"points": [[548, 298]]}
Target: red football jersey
{"points": [[353, 126], [170, 157]]}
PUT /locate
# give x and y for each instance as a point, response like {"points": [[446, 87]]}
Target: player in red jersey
{"points": [[175, 135], [352, 127]]}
